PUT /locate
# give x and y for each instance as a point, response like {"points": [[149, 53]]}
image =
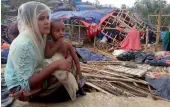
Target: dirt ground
{"points": [[97, 99]]}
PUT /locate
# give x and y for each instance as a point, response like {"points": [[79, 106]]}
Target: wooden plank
{"points": [[122, 22], [98, 88], [113, 78], [158, 31], [142, 73], [117, 68], [147, 36], [158, 15], [132, 71]]}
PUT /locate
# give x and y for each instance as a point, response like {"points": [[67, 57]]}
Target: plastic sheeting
{"points": [[4, 55], [91, 56], [145, 58], [166, 40], [96, 15], [62, 8], [162, 86], [85, 7], [132, 40]]}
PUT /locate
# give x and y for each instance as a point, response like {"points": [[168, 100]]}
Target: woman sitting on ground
{"points": [[26, 77]]}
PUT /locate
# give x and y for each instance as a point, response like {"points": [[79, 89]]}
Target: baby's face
{"points": [[57, 30]]}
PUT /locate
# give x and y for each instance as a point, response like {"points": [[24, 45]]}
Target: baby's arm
{"points": [[75, 58], [51, 48]]}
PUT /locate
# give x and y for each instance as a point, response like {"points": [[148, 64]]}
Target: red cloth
{"points": [[93, 30], [132, 41], [5, 46]]}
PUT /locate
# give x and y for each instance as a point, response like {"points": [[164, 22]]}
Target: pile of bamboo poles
{"points": [[110, 82]]}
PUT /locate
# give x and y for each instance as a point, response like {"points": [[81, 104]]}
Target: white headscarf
{"points": [[28, 14]]}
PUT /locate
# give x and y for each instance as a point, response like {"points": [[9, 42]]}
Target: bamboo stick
{"points": [[122, 91], [87, 69], [132, 88], [107, 72], [105, 62], [114, 78], [158, 31], [107, 88], [147, 35], [98, 88]]}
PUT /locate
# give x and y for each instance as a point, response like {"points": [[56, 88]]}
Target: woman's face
{"points": [[44, 23]]}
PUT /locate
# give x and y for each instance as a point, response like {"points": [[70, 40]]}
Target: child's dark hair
{"points": [[56, 20]]}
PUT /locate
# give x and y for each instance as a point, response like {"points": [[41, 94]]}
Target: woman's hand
{"points": [[64, 64]]}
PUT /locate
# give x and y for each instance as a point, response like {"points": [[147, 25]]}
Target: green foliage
{"points": [[153, 7]]}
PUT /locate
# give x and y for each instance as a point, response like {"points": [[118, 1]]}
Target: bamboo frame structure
{"points": [[123, 17], [158, 27], [77, 32]]}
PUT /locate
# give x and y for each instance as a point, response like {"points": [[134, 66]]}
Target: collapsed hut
{"points": [[96, 24]]}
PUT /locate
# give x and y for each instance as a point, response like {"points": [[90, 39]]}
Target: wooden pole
{"points": [[69, 26], [79, 35], [94, 45], [147, 35], [158, 31]]}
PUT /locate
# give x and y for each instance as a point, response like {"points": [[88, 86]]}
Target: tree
{"points": [[16, 3], [3, 12], [153, 7], [123, 6]]}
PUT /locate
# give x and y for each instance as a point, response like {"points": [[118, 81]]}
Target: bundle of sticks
{"points": [[114, 83]]}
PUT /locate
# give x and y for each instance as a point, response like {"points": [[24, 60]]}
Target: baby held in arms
{"points": [[59, 45]]}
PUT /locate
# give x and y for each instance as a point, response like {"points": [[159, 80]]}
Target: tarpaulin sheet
{"points": [[85, 7], [146, 58], [162, 86], [166, 40], [132, 40], [91, 56], [4, 55], [97, 15]]}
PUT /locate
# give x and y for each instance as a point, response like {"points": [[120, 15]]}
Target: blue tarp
{"points": [[95, 14], [91, 56], [62, 8], [162, 86], [163, 35], [166, 41], [78, 2], [4, 55]]}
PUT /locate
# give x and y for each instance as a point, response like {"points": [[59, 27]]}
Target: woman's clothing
{"points": [[26, 55], [65, 77], [50, 86], [21, 65], [22, 62]]}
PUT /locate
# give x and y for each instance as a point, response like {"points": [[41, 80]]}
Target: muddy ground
{"points": [[96, 99]]}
